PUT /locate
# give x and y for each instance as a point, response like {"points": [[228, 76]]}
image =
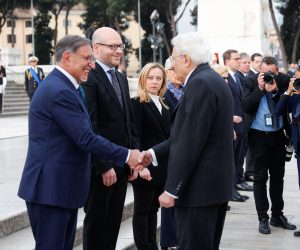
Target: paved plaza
{"points": [[241, 224]]}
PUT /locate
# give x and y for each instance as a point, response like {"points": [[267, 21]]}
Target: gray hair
{"points": [[69, 43], [244, 55], [193, 44]]}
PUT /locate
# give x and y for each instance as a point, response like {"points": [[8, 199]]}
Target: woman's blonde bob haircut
{"points": [[142, 92]]}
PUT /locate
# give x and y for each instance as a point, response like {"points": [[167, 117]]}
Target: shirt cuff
{"points": [[154, 159], [127, 158], [172, 195]]}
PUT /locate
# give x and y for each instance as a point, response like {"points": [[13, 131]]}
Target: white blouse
{"points": [[155, 99]]}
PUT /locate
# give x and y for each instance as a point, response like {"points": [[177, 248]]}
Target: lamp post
{"points": [[32, 24]]}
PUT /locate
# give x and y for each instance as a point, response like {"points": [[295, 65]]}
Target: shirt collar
{"points": [[188, 76], [69, 76], [104, 66]]}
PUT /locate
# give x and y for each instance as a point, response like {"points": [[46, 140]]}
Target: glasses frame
{"points": [[172, 58], [113, 47]]}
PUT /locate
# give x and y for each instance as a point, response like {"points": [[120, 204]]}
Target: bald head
{"points": [[105, 35]]}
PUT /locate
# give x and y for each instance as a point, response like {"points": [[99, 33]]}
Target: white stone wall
{"points": [[244, 25]]}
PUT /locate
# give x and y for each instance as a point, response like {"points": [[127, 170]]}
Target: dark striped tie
{"points": [[116, 86], [82, 95]]}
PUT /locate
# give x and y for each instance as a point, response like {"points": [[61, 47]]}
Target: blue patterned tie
{"points": [[82, 95], [116, 86]]}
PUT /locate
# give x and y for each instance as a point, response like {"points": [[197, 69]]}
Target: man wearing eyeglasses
{"points": [[108, 100]]}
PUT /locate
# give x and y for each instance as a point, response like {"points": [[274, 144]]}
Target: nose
{"points": [[92, 64]]}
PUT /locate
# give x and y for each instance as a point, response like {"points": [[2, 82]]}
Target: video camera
{"points": [[296, 84]]}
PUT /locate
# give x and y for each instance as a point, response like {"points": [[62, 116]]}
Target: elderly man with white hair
{"points": [[200, 155]]}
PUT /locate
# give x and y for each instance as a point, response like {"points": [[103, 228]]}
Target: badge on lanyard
{"points": [[268, 120]]}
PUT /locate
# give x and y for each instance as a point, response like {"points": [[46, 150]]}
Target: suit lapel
{"points": [[160, 117], [102, 77]]}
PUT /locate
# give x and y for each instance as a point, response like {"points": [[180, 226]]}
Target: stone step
{"points": [[15, 96], [15, 92], [15, 108], [16, 233], [12, 114], [16, 100], [18, 104]]}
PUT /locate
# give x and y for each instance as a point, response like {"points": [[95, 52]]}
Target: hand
{"points": [[237, 119], [133, 175], [145, 158], [109, 177], [291, 88], [166, 200], [133, 161], [271, 87], [145, 174], [261, 82]]}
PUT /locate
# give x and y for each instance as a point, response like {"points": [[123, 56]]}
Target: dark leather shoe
{"points": [[281, 221], [264, 227], [244, 186], [246, 197], [297, 233], [237, 197], [249, 178]]}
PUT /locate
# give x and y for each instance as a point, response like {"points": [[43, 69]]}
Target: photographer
{"points": [[266, 141], [289, 102]]}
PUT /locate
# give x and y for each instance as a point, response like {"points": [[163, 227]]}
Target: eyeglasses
{"points": [[114, 46], [173, 58]]}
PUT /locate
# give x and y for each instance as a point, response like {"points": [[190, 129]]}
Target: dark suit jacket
{"points": [[30, 83], [57, 169], [107, 116], [252, 96], [152, 128], [291, 104], [170, 100], [2, 74], [236, 92], [201, 165]]}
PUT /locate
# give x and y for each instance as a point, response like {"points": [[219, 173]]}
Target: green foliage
{"points": [[290, 9], [43, 35]]}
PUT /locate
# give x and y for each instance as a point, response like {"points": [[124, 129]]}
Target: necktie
{"points": [[238, 82], [271, 108], [116, 86], [82, 96]]}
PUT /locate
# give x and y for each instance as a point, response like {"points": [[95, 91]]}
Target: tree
{"points": [[290, 29], [5, 8], [43, 34], [110, 13], [68, 6], [279, 37]]}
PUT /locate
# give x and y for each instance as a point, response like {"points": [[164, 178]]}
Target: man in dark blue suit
{"points": [[56, 176]]}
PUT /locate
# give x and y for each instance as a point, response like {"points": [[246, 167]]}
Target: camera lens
{"points": [[268, 77], [296, 84]]}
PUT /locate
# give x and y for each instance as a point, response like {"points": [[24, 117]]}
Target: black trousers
{"points": [[268, 153], [52, 227], [144, 221], [240, 149], [104, 211], [200, 227], [167, 228], [1, 101]]}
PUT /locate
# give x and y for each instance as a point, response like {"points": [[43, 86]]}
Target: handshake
{"points": [[139, 160]]}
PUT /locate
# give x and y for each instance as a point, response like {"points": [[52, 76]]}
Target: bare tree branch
{"points": [[182, 12]]}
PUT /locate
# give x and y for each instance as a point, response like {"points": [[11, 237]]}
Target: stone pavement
{"points": [[240, 231]]}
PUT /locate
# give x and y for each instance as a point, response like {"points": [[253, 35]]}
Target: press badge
{"points": [[268, 120]]}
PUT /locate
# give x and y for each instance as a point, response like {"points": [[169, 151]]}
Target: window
{"points": [[11, 23], [11, 39], [29, 38], [28, 24], [68, 23]]}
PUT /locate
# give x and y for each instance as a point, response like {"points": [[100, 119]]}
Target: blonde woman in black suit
{"points": [[153, 124]]}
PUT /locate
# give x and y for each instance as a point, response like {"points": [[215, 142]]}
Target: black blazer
{"points": [[252, 96], [201, 165], [2, 74], [153, 127], [236, 92], [107, 116], [170, 100]]}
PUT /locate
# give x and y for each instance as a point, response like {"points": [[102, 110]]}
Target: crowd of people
{"points": [[181, 141]]}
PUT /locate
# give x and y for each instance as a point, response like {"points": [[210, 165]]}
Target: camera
{"points": [[269, 77], [296, 84]]}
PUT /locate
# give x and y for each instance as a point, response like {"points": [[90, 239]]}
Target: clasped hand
{"points": [[139, 160]]}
